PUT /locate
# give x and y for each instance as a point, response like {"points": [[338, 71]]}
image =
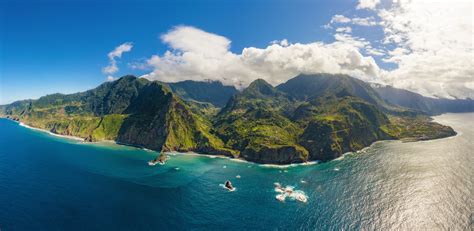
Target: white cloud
{"points": [[368, 4], [368, 21], [283, 42], [353, 41], [275, 63], [344, 29], [433, 47], [111, 68], [111, 78], [430, 42], [118, 51], [339, 19], [374, 51], [113, 55], [190, 39]]}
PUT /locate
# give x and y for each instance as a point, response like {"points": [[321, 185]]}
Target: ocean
{"points": [[54, 183]]}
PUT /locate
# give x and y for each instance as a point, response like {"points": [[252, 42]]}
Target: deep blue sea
{"points": [[53, 183]]}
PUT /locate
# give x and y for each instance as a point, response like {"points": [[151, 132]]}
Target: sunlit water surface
{"points": [[52, 183]]}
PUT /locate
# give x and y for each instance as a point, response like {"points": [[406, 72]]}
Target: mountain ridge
{"points": [[432, 106], [310, 117]]}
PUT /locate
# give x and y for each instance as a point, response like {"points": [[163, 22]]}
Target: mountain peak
{"points": [[261, 87], [305, 87], [295, 122], [213, 92], [127, 78]]}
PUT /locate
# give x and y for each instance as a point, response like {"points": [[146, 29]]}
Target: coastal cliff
{"points": [[317, 117]]}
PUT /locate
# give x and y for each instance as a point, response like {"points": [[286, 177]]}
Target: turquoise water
{"points": [[52, 183]]}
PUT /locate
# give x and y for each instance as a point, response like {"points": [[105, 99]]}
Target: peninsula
{"points": [[307, 118]]}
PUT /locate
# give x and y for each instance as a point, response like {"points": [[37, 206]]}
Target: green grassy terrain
{"points": [[416, 128], [317, 117]]}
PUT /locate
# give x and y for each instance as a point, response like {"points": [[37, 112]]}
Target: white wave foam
{"points": [[289, 165], [290, 193], [339, 158], [50, 133], [238, 160], [231, 190]]}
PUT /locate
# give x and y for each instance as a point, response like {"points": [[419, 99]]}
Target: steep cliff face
{"points": [[161, 121], [94, 115], [334, 126], [272, 126], [145, 124], [212, 92], [253, 122], [316, 117], [130, 111], [276, 154]]}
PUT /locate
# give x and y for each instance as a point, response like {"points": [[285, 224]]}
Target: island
{"points": [[315, 117]]}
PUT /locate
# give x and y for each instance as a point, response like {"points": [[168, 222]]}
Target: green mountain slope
{"points": [[212, 92], [130, 110], [254, 123], [335, 125], [316, 117], [307, 87], [416, 101]]}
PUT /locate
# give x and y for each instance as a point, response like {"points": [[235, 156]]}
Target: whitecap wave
{"points": [[231, 190], [290, 193], [289, 165]]}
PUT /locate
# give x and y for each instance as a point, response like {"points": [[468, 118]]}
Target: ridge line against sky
{"points": [[423, 46]]}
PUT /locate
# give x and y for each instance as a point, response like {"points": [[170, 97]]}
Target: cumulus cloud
{"points": [[433, 47], [429, 43], [367, 4], [112, 68], [277, 64], [199, 55], [283, 42], [190, 39]]}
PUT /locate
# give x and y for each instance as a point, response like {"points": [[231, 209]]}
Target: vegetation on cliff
{"points": [[317, 117], [253, 122]]}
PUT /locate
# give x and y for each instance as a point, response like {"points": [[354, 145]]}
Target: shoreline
{"points": [[282, 166], [49, 132], [167, 153], [243, 160]]}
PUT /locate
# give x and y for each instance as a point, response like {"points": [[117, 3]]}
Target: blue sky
{"points": [[62, 46]]}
